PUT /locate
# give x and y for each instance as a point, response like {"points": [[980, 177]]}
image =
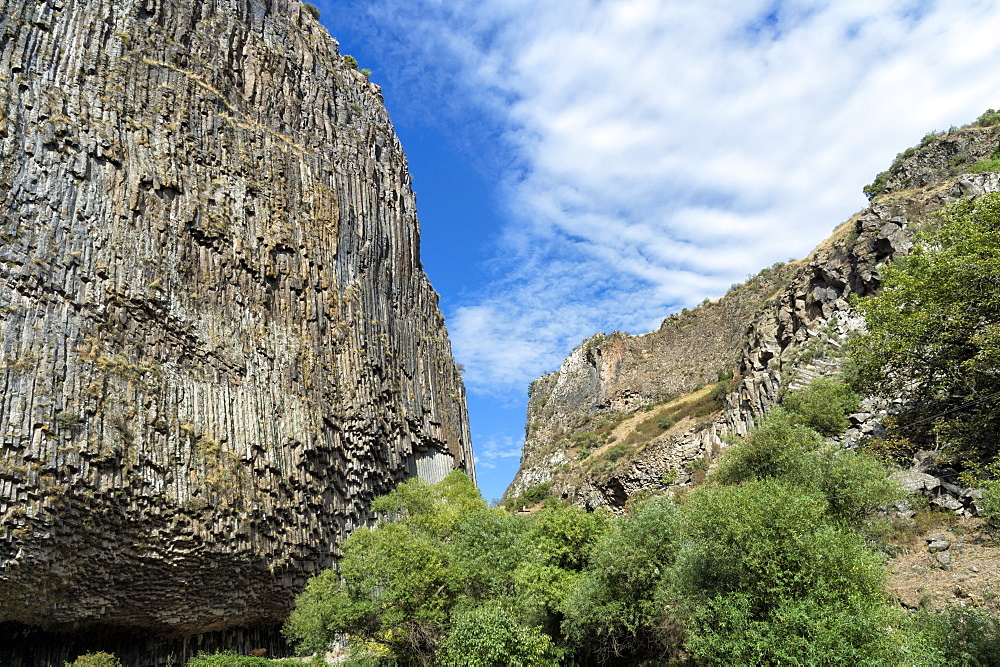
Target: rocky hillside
{"points": [[626, 414], [218, 344]]}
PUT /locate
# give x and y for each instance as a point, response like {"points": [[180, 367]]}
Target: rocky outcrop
{"points": [[218, 344], [779, 338], [609, 376]]}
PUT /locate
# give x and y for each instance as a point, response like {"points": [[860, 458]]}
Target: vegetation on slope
{"points": [[777, 558], [770, 561], [934, 338]]}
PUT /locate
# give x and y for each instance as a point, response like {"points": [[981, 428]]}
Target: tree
{"points": [[764, 576], [613, 612], [397, 584], [934, 331]]}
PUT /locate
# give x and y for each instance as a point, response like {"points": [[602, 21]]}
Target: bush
{"points": [[490, 635], [934, 333], [853, 483], [230, 659], [988, 118], [351, 62], [823, 405], [100, 659], [612, 611], [763, 577], [536, 494], [876, 187], [397, 582], [311, 9], [958, 636], [778, 447], [616, 452]]}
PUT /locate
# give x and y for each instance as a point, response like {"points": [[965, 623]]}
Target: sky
{"points": [[595, 165]]}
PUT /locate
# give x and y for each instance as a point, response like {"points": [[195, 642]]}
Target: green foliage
{"points": [[664, 422], [616, 452], [958, 636], [778, 447], [351, 61], [487, 548], [983, 166], [823, 405], [68, 419], [720, 391], [532, 496], [100, 659], [853, 483], [230, 659], [991, 163], [311, 9], [491, 636], [988, 118], [765, 578], [613, 609], [764, 564], [536, 494], [876, 187], [934, 331], [396, 584]]}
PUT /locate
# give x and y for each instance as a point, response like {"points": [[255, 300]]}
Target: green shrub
{"points": [[778, 447], [665, 423], [230, 659], [616, 452], [490, 635], [823, 405], [933, 333], [613, 611], [988, 118], [536, 494], [763, 577], [984, 166], [351, 61], [852, 482], [311, 9], [958, 636], [68, 419], [100, 659], [876, 187], [397, 582]]}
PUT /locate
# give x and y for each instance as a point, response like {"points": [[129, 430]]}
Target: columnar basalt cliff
{"points": [[617, 419], [218, 341]]}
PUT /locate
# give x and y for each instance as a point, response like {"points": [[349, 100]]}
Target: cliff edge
{"points": [[625, 415], [218, 344]]}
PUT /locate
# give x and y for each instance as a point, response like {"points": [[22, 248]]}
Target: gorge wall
{"points": [[628, 414], [218, 344]]}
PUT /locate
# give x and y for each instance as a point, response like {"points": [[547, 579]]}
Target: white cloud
{"points": [[659, 151], [495, 451]]}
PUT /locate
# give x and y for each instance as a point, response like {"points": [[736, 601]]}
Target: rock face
{"points": [[218, 344], [620, 374], [782, 329]]}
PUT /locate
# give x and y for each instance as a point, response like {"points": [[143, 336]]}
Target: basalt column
{"points": [[218, 344]]}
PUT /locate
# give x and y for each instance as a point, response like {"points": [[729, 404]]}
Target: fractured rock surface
{"points": [[218, 344], [780, 330]]}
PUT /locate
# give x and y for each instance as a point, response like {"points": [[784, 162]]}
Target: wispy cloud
{"points": [[655, 152], [496, 450]]}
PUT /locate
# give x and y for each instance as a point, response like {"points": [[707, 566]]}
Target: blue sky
{"points": [[593, 165]]}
